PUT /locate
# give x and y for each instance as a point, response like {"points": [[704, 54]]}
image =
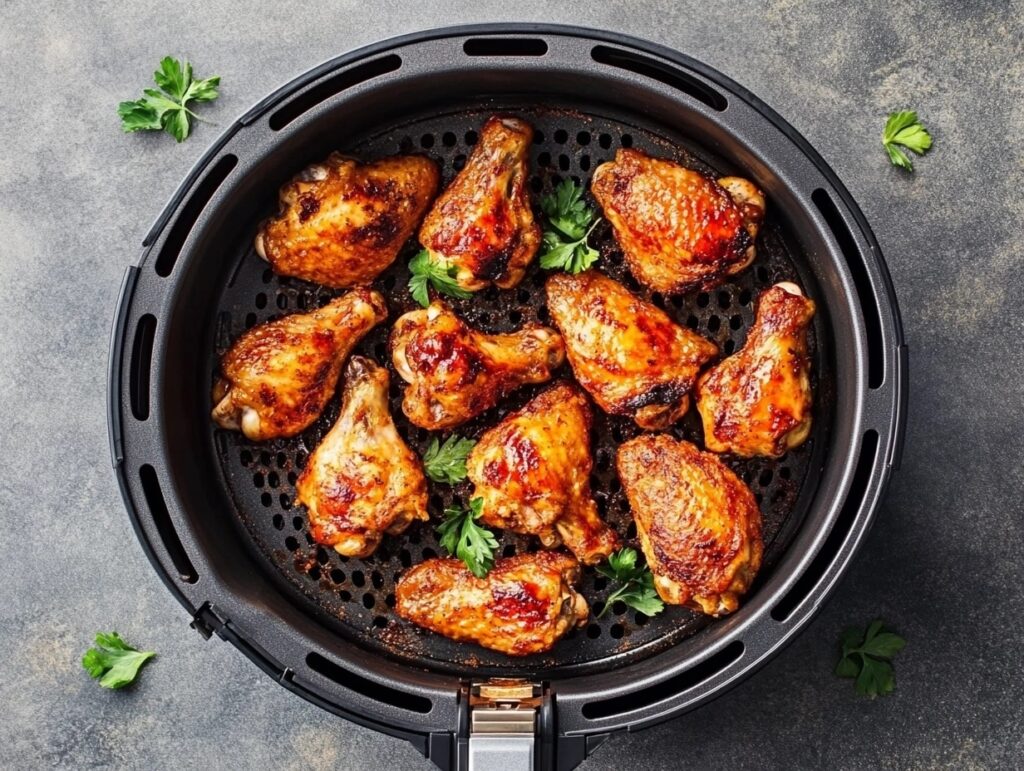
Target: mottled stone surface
{"points": [[943, 562]]}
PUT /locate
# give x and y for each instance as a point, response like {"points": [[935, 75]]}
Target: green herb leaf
{"points": [[865, 658], [447, 462], [429, 271], [570, 223], [167, 108], [463, 537], [636, 583], [903, 129], [113, 661]]}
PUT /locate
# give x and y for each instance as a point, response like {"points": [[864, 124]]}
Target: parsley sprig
{"points": [[570, 221], [430, 271], [866, 656], [113, 661], [903, 128], [167, 108], [636, 583], [472, 543], [447, 462]]}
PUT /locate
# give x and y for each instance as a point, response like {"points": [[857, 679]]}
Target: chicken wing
{"points": [[523, 606], [456, 372], [678, 228], [277, 377], [482, 223], [627, 353], [533, 472], [758, 401], [342, 222], [699, 525], [362, 480]]}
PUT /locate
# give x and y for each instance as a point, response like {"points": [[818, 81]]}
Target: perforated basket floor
{"points": [[356, 596]]}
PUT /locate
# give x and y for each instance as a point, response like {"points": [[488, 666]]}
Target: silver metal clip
{"points": [[503, 725]]}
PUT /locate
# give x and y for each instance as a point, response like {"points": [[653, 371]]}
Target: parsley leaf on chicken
{"points": [[463, 537], [570, 221], [636, 583], [447, 462], [427, 271], [167, 108], [902, 128], [114, 662]]}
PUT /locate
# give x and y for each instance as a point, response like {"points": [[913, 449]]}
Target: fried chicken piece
{"points": [[533, 472], [678, 228], [362, 480], [758, 401], [277, 377], [523, 606], [482, 223], [456, 372], [627, 353], [342, 222], [699, 525]]}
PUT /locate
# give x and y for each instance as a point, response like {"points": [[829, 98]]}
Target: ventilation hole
{"points": [[314, 572], [729, 347], [429, 554], [164, 526], [605, 141], [515, 316], [840, 530], [626, 140], [282, 460], [189, 214], [291, 543], [762, 274], [509, 551], [504, 46], [861, 281], [600, 582], [448, 139], [389, 600], [544, 159], [459, 162], [745, 297], [292, 476], [257, 479], [265, 458], [333, 85], [377, 580], [427, 141], [616, 631], [369, 600], [703, 300], [593, 631], [583, 138], [724, 300], [542, 314], [538, 137], [338, 576], [661, 71], [345, 596], [785, 473], [250, 320], [735, 322], [321, 555], [405, 558], [584, 163], [261, 300], [267, 499], [282, 301], [141, 363], [561, 136], [714, 323], [631, 530], [765, 478], [273, 480], [245, 457], [563, 162], [402, 700], [471, 138], [358, 579], [267, 276], [380, 622], [523, 296]]}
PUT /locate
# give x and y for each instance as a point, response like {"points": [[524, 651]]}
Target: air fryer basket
{"points": [[215, 511]]}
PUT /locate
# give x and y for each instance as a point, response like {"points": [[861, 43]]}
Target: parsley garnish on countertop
{"points": [[167, 108], [114, 662], [867, 656], [903, 129]]}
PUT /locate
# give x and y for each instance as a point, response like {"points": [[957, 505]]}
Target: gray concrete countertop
{"points": [[943, 563]]}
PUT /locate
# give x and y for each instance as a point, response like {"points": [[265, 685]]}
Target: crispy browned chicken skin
{"points": [[523, 606], [627, 353], [482, 223], [758, 401], [678, 228], [277, 377], [342, 222], [533, 472], [362, 480], [699, 525], [456, 372]]}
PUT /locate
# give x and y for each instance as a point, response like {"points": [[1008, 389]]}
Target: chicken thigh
{"points": [[482, 224], [342, 222], [628, 354], [456, 372], [362, 480], [523, 606], [678, 228], [758, 401], [699, 525], [277, 377], [533, 472]]}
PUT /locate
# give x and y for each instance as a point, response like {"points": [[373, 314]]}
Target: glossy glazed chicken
{"points": [[627, 353], [343, 222], [456, 372], [523, 606], [678, 228], [533, 472], [699, 525], [362, 480], [482, 223], [277, 377], [758, 401]]}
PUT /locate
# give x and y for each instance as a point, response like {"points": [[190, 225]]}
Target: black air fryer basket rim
{"points": [[377, 692]]}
